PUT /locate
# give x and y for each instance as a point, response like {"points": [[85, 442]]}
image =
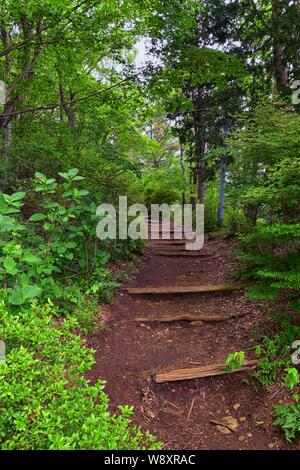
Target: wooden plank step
{"points": [[171, 248], [191, 317], [186, 253], [200, 372], [170, 243], [184, 289], [172, 230]]}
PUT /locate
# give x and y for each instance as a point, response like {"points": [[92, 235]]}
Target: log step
{"points": [[200, 372], [169, 243], [191, 317], [185, 253], [185, 289]]}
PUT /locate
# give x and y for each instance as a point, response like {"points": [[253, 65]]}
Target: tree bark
{"points": [[184, 195], [7, 139], [221, 202], [279, 52]]}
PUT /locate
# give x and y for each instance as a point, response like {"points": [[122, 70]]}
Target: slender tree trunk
{"points": [[6, 128], [202, 181], [221, 202], [279, 53], [184, 195], [200, 145], [6, 147], [71, 114], [62, 102]]}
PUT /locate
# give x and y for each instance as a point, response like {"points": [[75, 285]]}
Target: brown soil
{"points": [[129, 354]]}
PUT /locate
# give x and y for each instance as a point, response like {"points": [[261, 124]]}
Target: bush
{"points": [[45, 400], [51, 253], [288, 418], [275, 364], [270, 254]]}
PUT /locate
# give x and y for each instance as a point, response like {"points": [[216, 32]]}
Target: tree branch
{"points": [[48, 107]]}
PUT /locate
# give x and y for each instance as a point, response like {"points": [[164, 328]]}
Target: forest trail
{"points": [[185, 415]]}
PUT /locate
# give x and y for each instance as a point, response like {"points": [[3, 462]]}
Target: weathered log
{"points": [[200, 372], [191, 317], [184, 289], [187, 253]]}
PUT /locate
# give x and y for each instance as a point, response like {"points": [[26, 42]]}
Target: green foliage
{"points": [[211, 208], [163, 186], [45, 400], [88, 315], [270, 253], [234, 220], [53, 252], [274, 354], [288, 418], [267, 174], [275, 363], [235, 361], [292, 377]]}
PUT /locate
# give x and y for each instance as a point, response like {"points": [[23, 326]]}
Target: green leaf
{"points": [[30, 258], [78, 178], [3, 204], [8, 224], [73, 172], [39, 176], [10, 266], [17, 196], [64, 175], [22, 295], [37, 217]]}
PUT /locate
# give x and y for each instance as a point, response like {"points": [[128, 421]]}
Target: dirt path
{"points": [[129, 353]]}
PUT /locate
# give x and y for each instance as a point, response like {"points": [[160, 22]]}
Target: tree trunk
{"points": [[7, 139], [201, 180], [184, 195], [221, 203], [279, 53], [200, 147]]}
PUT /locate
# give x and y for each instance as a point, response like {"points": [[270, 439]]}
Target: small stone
{"points": [[241, 438], [236, 406], [150, 414], [243, 419], [197, 323]]}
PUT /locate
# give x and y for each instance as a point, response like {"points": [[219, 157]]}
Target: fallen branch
{"points": [[200, 372], [191, 409]]}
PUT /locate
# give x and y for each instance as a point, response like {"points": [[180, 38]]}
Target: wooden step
{"points": [[191, 317], [184, 289], [200, 372], [186, 253], [170, 243]]}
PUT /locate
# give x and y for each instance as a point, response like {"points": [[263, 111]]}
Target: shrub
{"points": [[288, 418], [274, 364], [45, 400], [270, 253]]}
